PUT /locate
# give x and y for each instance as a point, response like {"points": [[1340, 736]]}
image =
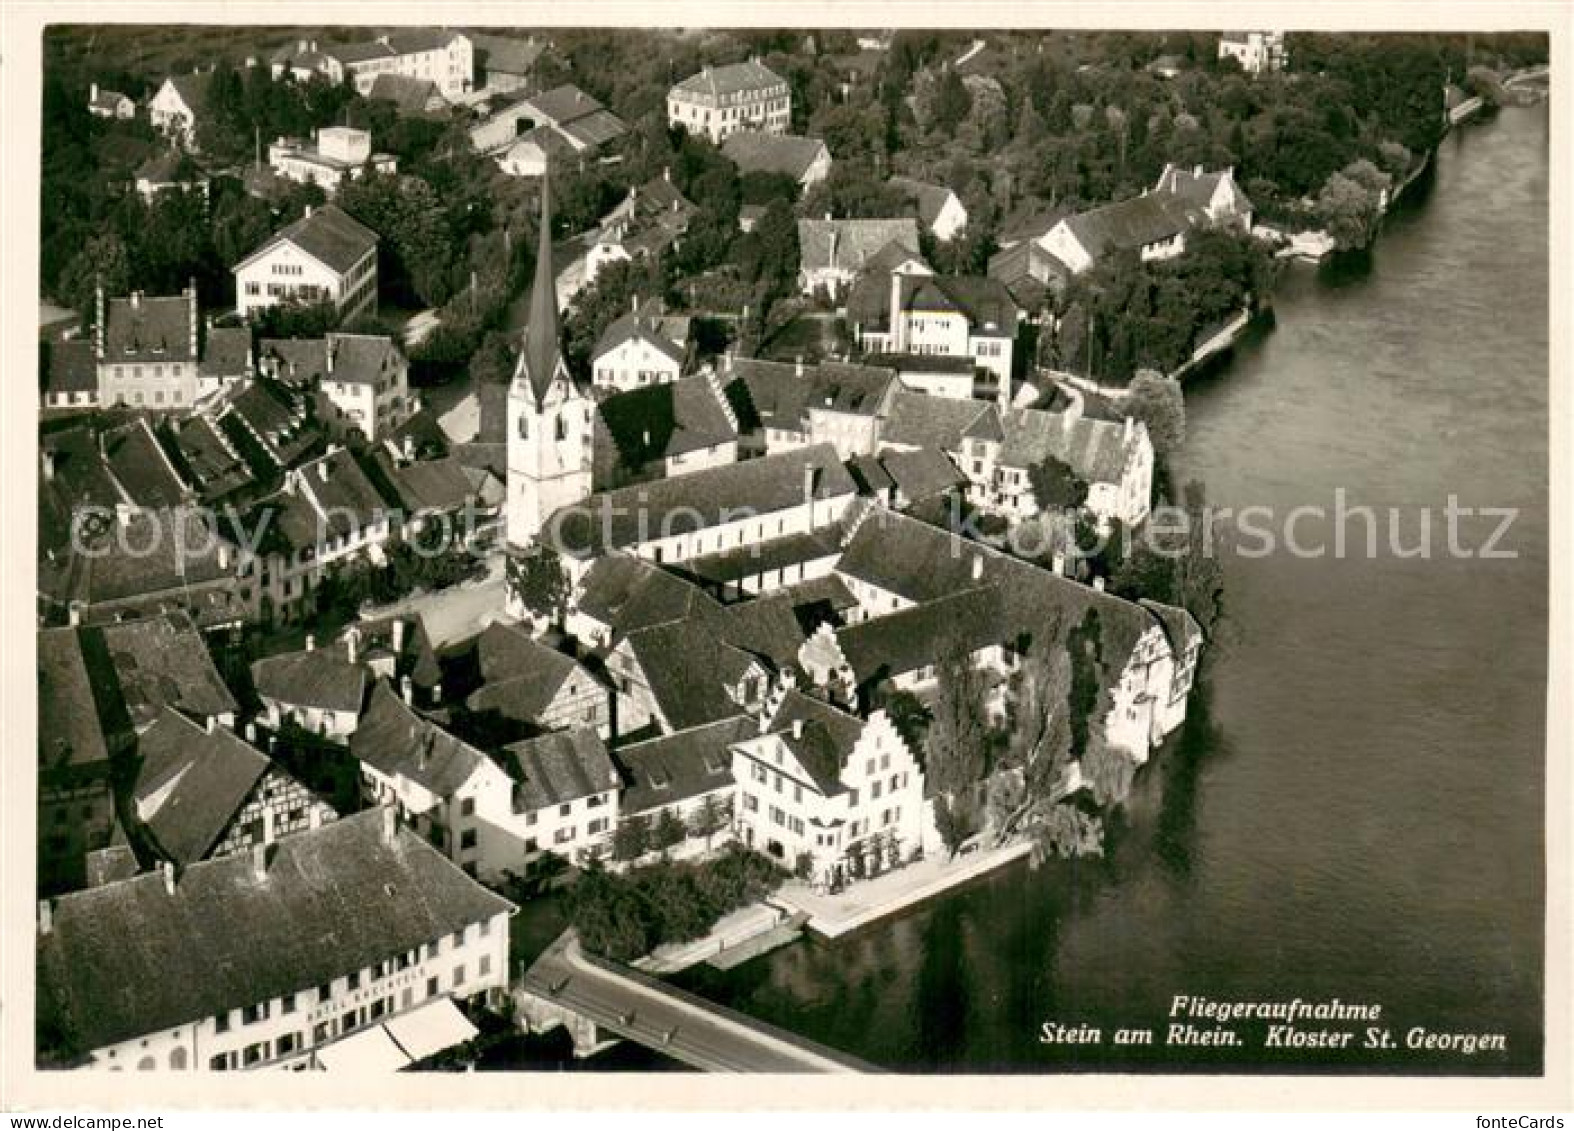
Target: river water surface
{"points": [[1355, 810]]}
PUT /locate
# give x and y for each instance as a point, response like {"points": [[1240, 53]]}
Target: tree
{"points": [[954, 820], [1066, 831], [1394, 159], [102, 261], [493, 362], [958, 738], [537, 580], [1055, 485], [1348, 210], [631, 837], [1040, 719], [1158, 402], [907, 714], [713, 815], [1108, 770], [670, 830]]}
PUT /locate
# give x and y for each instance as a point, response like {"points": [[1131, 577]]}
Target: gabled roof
{"points": [[130, 958], [922, 474], [592, 130], [499, 54], [854, 390], [628, 593], [732, 78], [1195, 187], [826, 738], [429, 485], [984, 301], [929, 199], [343, 494], [566, 103], [768, 394], [322, 678], [659, 422], [409, 94], [756, 152], [559, 767], [226, 352], [208, 459], [328, 234], [107, 100], [908, 639], [610, 520], [140, 466], [416, 656], [170, 167], [161, 662], [397, 741], [1095, 449], [362, 359], [71, 367], [681, 765], [687, 666], [919, 420], [1129, 225], [81, 717], [296, 361], [855, 241], [522, 676], [193, 88], [143, 329], [541, 356], [192, 783], [637, 326]]}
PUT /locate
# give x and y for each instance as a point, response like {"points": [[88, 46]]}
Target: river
{"points": [[1355, 809]]}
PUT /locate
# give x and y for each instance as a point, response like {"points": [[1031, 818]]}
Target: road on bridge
{"points": [[662, 1017]]}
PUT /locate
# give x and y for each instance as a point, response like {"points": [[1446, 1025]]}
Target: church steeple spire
{"points": [[542, 353]]}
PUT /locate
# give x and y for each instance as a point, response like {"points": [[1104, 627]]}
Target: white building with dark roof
{"points": [[178, 103], [830, 796], [266, 958], [325, 256], [334, 154], [939, 209], [804, 159], [636, 350], [444, 58], [720, 101], [526, 681], [1256, 51], [109, 103], [831, 253]]}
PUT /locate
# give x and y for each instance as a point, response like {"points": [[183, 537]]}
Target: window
{"points": [[220, 1063], [254, 1013], [467, 839], [221, 1022], [432, 948], [459, 976], [563, 835], [287, 1044], [431, 987], [751, 803], [354, 981], [324, 993], [599, 825]]}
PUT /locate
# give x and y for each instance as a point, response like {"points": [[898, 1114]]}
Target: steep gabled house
{"points": [[664, 430], [830, 796], [831, 253], [643, 347], [109, 103], [805, 160], [177, 105], [939, 209], [1153, 225], [1217, 194], [324, 257], [202, 793], [525, 681], [323, 691]]}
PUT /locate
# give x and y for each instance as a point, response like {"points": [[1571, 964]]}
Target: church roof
{"points": [[542, 353]]}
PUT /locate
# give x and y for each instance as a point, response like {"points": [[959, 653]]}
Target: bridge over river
{"points": [[599, 1001]]}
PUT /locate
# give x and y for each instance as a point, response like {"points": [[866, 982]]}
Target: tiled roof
{"points": [[498, 54], [593, 129], [108, 100], [828, 737], [193, 89], [192, 783], [522, 675], [628, 593], [169, 167], [985, 301], [226, 352], [929, 199], [143, 329], [919, 420], [1196, 187], [559, 767], [429, 484], [139, 465], [329, 235], [561, 104], [920, 474], [657, 422], [1030, 222], [71, 367], [1132, 224], [768, 625], [81, 717], [362, 359], [130, 958], [322, 678], [395, 740], [678, 766], [908, 639], [855, 242], [761, 557], [342, 491], [412, 41], [732, 78], [1094, 449], [637, 326], [295, 361], [163, 662], [856, 390], [766, 393], [611, 520], [409, 94], [115, 574], [686, 665], [756, 152], [416, 658]]}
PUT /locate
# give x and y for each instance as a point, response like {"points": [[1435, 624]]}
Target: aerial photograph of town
{"points": [[791, 550]]}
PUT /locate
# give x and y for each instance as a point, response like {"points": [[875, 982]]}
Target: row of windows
{"points": [[176, 397], [136, 371]]}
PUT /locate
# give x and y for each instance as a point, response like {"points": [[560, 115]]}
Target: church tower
{"points": [[549, 415]]}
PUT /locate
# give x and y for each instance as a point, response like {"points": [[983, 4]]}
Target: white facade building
{"points": [[326, 256], [719, 101]]}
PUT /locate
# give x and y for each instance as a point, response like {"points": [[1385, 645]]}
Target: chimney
{"points": [[437, 692], [797, 728], [407, 691], [978, 566], [1197, 171], [831, 257], [311, 642], [1057, 563], [1098, 584], [409, 447], [797, 367], [398, 636], [352, 644], [167, 869], [259, 861], [46, 459], [390, 824], [213, 723], [1131, 427], [308, 212], [322, 471], [74, 613], [647, 438], [633, 304], [92, 92], [808, 482], [251, 732], [224, 555], [136, 300]]}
